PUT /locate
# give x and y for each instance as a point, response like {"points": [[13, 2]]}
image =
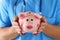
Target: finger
{"points": [[15, 24], [15, 19], [43, 25], [18, 30], [41, 29], [43, 19]]}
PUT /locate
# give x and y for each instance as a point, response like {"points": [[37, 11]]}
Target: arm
{"points": [[7, 33], [10, 33], [50, 30]]}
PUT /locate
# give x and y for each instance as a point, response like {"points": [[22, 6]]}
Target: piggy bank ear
{"points": [[37, 16], [22, 15]]}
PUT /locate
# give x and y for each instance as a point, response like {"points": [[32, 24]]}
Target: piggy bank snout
{"points": [[29, 27]]}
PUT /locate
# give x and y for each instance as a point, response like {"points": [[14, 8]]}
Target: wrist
{"points": [[48, 29], [12, 33], [12, 30], [8, 33], [45, 27]]}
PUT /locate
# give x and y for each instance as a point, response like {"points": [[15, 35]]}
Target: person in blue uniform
{"points": [[9, 9]]}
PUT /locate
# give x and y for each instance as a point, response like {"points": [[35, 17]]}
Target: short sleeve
{"points": [[58, 13], [4, 17]]}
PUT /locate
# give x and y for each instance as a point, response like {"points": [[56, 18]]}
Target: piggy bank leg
{"points": [[22, 32], [35, 33]]}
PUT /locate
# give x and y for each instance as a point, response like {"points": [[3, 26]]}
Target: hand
{"points": [[43, 24], [15, 25], [14, 30]]}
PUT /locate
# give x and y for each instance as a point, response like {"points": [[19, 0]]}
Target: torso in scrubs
{"points": [[49, 8]]}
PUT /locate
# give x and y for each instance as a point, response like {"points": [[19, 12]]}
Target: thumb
{"points": [[16, 19], [43, 19]]}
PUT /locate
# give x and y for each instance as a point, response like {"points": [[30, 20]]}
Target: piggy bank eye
{"points": [[27, 19], [31, 19]]}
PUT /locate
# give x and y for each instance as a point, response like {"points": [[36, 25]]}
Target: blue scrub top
{"points": [[49, 8]]}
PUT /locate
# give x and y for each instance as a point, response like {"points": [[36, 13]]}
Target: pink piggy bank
{"points": [[29, 22]]}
